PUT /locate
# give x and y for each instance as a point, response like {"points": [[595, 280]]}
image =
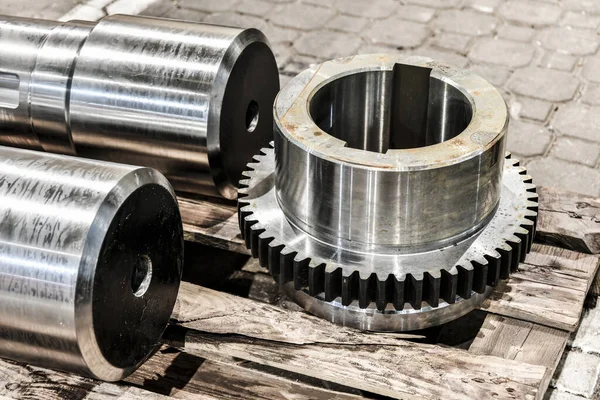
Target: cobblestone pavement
{"points": [[541, 54]]}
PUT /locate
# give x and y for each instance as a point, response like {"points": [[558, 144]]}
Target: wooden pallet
{"points": [[246, 340]]}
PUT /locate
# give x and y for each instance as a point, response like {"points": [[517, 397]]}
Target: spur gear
{"points": [[382, 208]]}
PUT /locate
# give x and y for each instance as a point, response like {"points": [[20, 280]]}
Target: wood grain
{"points": [[406, 370], [211, 311], [548, 289], [513, 339], [569, 220], [212, 223]]}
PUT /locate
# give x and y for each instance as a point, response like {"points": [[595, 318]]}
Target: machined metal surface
{"points": [[381, 218], [190, 100], [91, 256]]}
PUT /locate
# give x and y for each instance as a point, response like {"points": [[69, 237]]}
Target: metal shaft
{"points": [[191, 100], [91, 255]]}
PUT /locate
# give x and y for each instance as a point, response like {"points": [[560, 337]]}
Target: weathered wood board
{"points": [[262, 346]]}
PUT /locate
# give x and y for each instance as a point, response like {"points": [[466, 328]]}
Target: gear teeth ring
{"points": [[287, 265]]}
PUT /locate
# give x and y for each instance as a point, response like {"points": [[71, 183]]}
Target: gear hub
{"points": [[388, 202]]}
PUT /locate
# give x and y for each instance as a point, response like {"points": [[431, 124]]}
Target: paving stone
{"points": [[558, 61], [587, 337], [502, 52], [370, 48], [403, 34], [348, 24], [582, 152], [159, 8], [283, 53], [367, 9], [530, 13], [485, 6], [552, 172], [526, 107], [527, 139], [589, 6], [236, 20], [415, 13], [544, 84], [255, 7], [579, 374], [298, 64], [591, 94], [580, 20], [327, 44], [569, 40], [46, 9], [127, 7], [494, 74], [277, 34], [83, 12], [516, 33], [578, 120], [446, 56], [208, 5], [465, 22], [301, 16], [555, 394], [591, 69], [452, 41], [436, 3], [186, 14]]}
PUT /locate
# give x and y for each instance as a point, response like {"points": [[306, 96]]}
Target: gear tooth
{"points": [[480, 273], [350, 288], [286, 265], [526, 178], [529, 187], [399, 291], [254, 232], [505, 262], [517, 243], [533, 197], [431, 287], [263, 249], [243, 185], [449, 285], [507, 154], [465, 280], [383, 292], [333, 284], [300, 273], [248, 234], [529, 227], [274, 259], [414, 291], [316, 279], [494, 270], [367, 290]]}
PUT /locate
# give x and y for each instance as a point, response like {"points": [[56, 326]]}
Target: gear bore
{"points": [[387, 203]]}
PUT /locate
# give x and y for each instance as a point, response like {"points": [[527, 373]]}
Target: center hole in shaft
{"points": [[399, 109], [252, 116], [141, 276]]}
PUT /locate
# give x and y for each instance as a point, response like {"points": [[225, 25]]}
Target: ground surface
{"points": [[543, 55]]}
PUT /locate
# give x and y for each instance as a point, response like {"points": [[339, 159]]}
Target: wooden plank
{"points": [[30, 382], [211, 222], [211, 311], [513, 339], [186, 376], [569, 220], [406, 370], [549, 288]]}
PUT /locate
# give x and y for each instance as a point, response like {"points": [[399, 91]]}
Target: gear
{"points": [[395, 282]]}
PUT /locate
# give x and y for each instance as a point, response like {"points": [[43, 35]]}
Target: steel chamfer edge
{"points": [[374, 219]]}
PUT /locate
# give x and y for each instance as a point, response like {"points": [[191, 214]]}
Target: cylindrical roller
{"points": [[191, 100], [91, 255]]}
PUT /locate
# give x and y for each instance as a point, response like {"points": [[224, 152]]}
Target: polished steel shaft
{"points": [[91, 255], [191, 100]]}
